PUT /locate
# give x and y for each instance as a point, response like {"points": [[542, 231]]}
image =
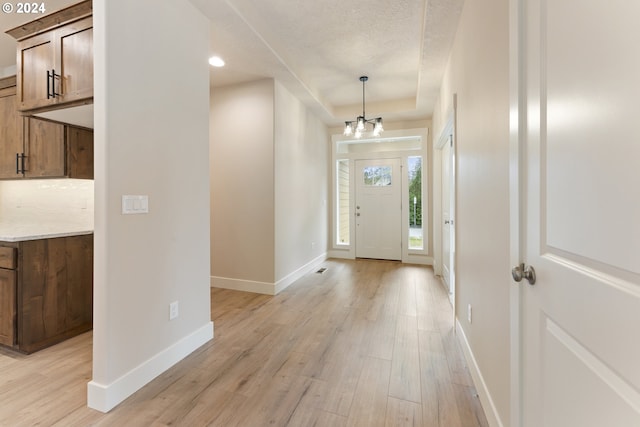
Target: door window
{"points": [[377, 176]]}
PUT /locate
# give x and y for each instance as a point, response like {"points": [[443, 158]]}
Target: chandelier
{"points": [[358, 126]]}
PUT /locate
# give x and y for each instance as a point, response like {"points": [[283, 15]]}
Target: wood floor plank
{"points": [[367, 343], [405, 364], [401, 413], [369, 405]]}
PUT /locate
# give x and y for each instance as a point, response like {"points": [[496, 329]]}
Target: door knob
{"points": [[520, 272], [446, 221], [358, 214]]}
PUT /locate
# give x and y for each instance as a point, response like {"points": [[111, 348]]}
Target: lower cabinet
{"points": [[7, 307], [47, 296]]}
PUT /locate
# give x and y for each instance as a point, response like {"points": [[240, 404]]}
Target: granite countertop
{"points": [[20, 228]]}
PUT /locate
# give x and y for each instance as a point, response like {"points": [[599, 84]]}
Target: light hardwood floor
{"points": [[367, 343]]}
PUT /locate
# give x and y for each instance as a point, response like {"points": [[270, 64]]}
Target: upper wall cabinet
{"points": [[55, 60], [11, 129]]}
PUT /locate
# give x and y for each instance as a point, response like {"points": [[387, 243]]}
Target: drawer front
{"points": [[7, 257]]}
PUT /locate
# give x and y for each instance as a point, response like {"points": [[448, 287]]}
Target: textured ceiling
{"points": [[319, 49]]}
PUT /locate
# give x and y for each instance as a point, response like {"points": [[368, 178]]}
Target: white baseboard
{"points": [[478, 380], [104, 397], [419, 259], [243, 285], [409, 259], [295, 275], [342, 254], [266, 287]]}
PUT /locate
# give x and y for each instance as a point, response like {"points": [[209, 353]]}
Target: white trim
{"points": [[104, 397], [266, 287], [418, 259], [341, 254], [443, 139], [348, 251], [243, 285], [283, 283], [517, 198], [489, 407], [447, 136]]}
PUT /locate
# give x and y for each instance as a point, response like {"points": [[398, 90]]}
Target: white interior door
{"points": [[580, 348], [378, 209], [447, 215]]}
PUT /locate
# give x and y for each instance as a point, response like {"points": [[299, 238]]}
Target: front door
{"points": [[580, 340], [378, 209]]}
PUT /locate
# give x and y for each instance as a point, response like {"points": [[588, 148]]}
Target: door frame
{"points": [[517, 197], [370, 147], [447, 134]]}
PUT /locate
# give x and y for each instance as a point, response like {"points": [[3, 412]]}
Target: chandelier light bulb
{"points": [[348, 128]]}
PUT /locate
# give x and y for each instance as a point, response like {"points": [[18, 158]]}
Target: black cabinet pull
{"points": [[51, 84], [20, 163]]}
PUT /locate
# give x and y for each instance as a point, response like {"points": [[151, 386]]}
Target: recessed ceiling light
{"points": [[216, 61]]}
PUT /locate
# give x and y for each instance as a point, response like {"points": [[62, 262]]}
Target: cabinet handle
{"points": [[51, 87], [20, 163], [53, 84]]}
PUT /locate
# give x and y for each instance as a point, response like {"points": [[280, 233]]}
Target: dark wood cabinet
{"points": [[7, 296], [44, 149], [52, 293], [79, 152], [11, 129], [37, 148], [55, 59]]}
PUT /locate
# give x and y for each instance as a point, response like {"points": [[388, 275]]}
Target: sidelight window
{"points": [[342, 202], [416, 230]]}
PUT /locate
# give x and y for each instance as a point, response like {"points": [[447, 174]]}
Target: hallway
{"points": [[366, 343]]}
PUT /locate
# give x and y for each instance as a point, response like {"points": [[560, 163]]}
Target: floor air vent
{"points": [[321, 270]]}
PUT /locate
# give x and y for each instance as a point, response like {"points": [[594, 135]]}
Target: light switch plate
{"points": [[135, 204], [173, 310]]}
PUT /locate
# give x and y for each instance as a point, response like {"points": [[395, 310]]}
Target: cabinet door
{"points": [[36, 56], [79, 153], [76, 60], [7, 307], [10, 133], [44, 148], [55, 296]]}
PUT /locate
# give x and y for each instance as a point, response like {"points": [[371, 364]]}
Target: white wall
{"points": [[242, 183], [268, 187], [301, 184], [478, 72], [151, 138]]}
